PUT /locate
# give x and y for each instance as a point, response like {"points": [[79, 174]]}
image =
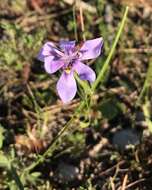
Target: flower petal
{"points": [[84, 72], [51, 65], [67, 87], [49, 49], [67, 46], [45, 50], [91, 49]]}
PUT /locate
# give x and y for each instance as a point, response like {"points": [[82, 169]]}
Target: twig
{"points": [[135, 183], [93, 152], [135, 50], [82, 21], [84, 5], [112, 168], [112, 183], [33, 18], [124, 182], [75, 23]]}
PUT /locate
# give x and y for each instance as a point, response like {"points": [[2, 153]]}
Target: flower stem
{"points": [[16, 177], [106, 63]]}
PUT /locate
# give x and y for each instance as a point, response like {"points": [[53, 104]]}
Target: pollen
{"points": [[68, 70]]}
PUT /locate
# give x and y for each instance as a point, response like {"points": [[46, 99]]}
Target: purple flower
{"points": [[70, 59]]}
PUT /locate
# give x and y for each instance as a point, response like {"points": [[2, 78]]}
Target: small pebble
{"points": [[125, 138]]}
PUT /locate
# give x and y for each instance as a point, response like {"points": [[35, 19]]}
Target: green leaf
{"points": [[12, 186], [84, 85], [4, 162], [33, 177], [1, 136], [84, 124], [146, 110], [110, 108], [35, 174]]}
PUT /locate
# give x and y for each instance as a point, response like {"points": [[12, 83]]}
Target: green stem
{"points": [[106, 64], [16, 177], [147, 114], [147, 83]]}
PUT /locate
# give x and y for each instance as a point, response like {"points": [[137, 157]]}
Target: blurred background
{"points": [[107, 147]]}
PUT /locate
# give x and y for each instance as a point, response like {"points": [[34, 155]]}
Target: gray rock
{"points": [[67, 172], [125, 138]]}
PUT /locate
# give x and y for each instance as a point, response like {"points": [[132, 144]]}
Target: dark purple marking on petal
{"points": [[49, 49], [67, 46], [51, 65]]}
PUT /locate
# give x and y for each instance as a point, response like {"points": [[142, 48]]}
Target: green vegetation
{"points": [[102, 139]]}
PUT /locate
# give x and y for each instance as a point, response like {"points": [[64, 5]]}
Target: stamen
{"points": [[68, 70]]}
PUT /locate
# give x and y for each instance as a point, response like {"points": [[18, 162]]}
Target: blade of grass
{"points": [[107, 62], [16, 178], [144, 100], [147, 114], [147, 83]]}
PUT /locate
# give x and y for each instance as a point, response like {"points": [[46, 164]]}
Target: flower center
{"points": [[67, 70], [69, 59]]}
